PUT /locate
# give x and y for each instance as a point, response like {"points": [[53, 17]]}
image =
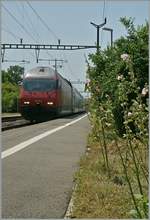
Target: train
{"points": [[45, 93]]}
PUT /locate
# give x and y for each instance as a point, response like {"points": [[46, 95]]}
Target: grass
{"points": [[100, 196]]}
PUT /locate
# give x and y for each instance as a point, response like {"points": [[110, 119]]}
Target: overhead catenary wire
{"points": [[16, 20], [26, 18], [104, 6], [33, 28], [14, 36], [43, 22], [11, 33], [30, 23], [20, 25], [23, 52], [103, 17]]}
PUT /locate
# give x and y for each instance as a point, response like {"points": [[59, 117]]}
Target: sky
{"points": [[68, 21]]}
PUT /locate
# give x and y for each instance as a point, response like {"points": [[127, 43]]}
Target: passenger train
{"points": [[45, 93]]}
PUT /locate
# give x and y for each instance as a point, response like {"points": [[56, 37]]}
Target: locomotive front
{"points": [[38, 95]]}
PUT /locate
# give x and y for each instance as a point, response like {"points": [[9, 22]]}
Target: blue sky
{"points": [[70, 22]]}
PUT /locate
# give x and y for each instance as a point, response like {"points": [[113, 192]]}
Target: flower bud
{"points": [[129, 114], [120, 77], [125, 57], [144, 91]]}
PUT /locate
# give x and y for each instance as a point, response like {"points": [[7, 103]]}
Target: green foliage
{"points": [[142, 203], [13, 74], [10, 88], [10, 94], [108, 67], [118, 82]]}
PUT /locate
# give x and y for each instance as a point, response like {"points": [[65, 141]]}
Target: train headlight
{"points": [[26, 103], [50, 103]]}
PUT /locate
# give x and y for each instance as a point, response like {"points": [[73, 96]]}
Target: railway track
{"points": [[11, 118], [9, 122]]}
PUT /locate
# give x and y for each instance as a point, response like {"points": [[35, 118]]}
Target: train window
{"points": [[58, 84], [42, 70], [39, 85]]}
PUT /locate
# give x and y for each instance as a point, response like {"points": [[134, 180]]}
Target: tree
{"points": [[10, 88], [13, 74], [10, 95]]}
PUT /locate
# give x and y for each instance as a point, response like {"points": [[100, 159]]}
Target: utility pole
{"points": [[98, 28]]}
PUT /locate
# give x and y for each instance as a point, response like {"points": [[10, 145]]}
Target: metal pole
{"points": [[2, 54], [55, 65], [111, 31], [97, 39], [98, 28], [111, 38]]}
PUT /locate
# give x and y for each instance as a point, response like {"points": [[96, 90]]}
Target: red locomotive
{"points": [[45, 93]]}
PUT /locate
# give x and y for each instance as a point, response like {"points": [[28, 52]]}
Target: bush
{"points": [[10, 88], [118, 82], [109, 68], [10, 95]]}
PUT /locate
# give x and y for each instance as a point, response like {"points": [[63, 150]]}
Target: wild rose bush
{"points": [[121, 73], [118, 83]]}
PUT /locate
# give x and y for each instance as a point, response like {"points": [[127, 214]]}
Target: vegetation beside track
{"points": [[10, 88], [113, 178]]}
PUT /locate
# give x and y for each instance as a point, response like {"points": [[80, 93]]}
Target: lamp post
{"points": [[111, 31]]}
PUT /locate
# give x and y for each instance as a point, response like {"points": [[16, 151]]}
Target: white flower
{"points": [[129, 114], [108, 124], [125, 57], [144, 91], [123, 104], [87, 81], [120, 77]]}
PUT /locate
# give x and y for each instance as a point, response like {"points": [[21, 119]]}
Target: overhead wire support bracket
{"points": [[45, 46], [55, 60], [37, 53], [2, 54], [111, 31], [17, 61], [98, 28]]}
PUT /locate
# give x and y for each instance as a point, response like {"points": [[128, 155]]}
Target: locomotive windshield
{"points": [[41, 85]]}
